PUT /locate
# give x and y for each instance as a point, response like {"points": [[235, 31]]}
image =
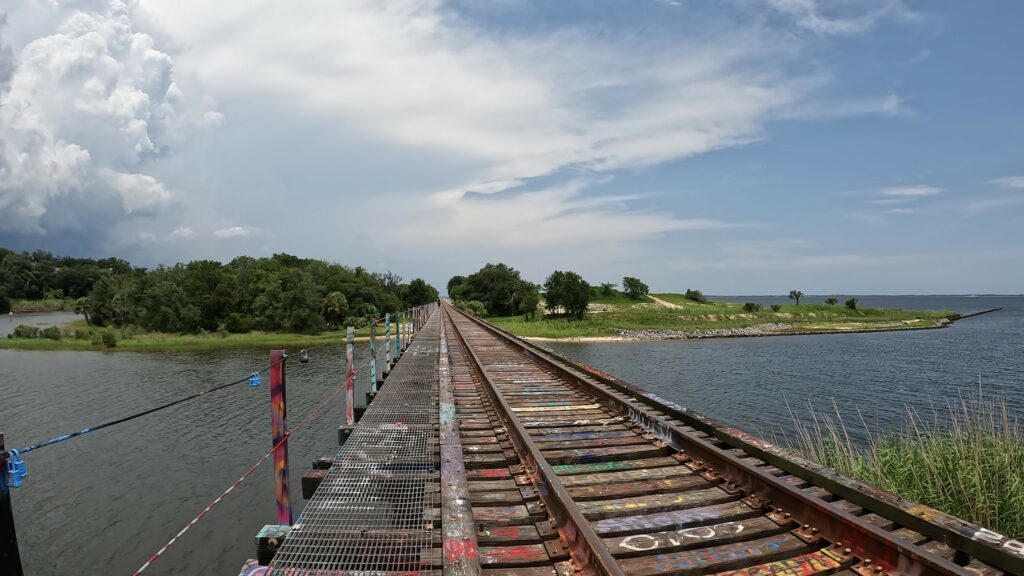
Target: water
{"points": [[105, 502], [37, 319], [748, 381]]}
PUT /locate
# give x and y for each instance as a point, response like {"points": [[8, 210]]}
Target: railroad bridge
{"points": [[484, 454]]}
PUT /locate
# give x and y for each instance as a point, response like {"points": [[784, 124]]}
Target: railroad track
{"points": [[551, 467]]}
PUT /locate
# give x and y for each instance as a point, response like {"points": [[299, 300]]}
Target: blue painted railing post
{"points": [[387, 344], [10, 558], [350, 375], [373, 356], [279, 427]]}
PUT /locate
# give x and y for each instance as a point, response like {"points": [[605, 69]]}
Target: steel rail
{"points": [[992, 548], [587, 548], [866, 540]]}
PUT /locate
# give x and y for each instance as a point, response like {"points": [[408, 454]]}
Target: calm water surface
{"points": [[105, 502]]}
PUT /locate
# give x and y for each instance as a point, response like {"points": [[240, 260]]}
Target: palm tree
{"points": [[832, 301], [796, 295], [83, 307], [335, 307]]}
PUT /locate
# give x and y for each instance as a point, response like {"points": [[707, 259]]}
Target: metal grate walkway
{"points": [[374, 512]]}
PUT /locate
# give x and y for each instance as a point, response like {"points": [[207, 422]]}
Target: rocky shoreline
{"points": [[768, 329]]}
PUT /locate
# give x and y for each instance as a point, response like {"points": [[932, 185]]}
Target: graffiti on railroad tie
{"points": [[1015, 547], [656, 427], [645, 542], [805, 565]]}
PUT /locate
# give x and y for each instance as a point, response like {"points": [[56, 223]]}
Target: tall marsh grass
{"points": [[966, 460]]}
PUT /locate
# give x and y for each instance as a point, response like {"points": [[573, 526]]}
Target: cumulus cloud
{"points": [[85, 109]]}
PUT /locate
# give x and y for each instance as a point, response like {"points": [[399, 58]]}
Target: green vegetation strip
{"points": [[609, 316], [967, 460]]}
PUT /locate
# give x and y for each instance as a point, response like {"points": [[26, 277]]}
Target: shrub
{"points": [[752, 307], [51, 333], [108, 338], [82, 334], [776, 307], [851, 303], [26, 331], [695, 295], [831, 301], [239, 323], [95, 338], [474, 307]]}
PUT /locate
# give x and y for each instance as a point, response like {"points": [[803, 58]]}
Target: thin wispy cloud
{"points": [[1016, 182], [910, 191]]}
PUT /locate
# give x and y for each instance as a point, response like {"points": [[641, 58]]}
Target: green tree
{"points": [[334, 308], [634, 288], [796, 295], [529, 299], [852, 303], [831, 301], [607, 288], [498, 286], [568, 291], [419, 292]]}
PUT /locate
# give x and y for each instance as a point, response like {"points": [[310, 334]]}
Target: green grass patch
{"points": [[128, 340], [607, 318], [967, 460], [45, 305]]}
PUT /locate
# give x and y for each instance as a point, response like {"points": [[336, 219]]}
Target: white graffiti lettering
{"points": [[986, 535], [645, 542], [639, 543]]}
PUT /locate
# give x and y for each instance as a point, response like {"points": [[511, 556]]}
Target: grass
{"points": [[45, 305], [608, 316], [159, 342], [966, 460]]}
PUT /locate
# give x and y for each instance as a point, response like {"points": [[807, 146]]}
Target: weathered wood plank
{"points": [[726, 556], [626, 476], [592, 467], [600, 509], [674, 520], [501, 515], [587, 455], [804, 565], [695, 537], [521, 555], [638, 488]]}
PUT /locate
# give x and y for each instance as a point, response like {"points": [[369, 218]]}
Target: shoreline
{"points": [[658, 335]]}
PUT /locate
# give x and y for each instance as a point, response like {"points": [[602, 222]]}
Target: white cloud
{"points": [[84, 109], [840, 17], [1010, 182], [232, 232], [181, 233], [910, 191]]}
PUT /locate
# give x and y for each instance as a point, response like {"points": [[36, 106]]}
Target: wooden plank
{"points": [[674, 520], [482, 474], [626, 476], [593, 443], [637, 488], [695, 537], [592, 467], [600, 509], [622, 432], [726, 556], [909, 535], [521, 555], [588, 455], [496, 497], [487, 485], [501, 515], [804, 565], [526, 534]]}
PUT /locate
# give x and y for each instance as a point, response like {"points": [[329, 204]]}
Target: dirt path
{"points": [[664, 303]]}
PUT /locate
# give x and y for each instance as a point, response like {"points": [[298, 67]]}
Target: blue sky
{"points": [[734, 146]]}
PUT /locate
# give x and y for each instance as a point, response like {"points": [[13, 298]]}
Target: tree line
{"points": [[500, 290], [279, 293]]}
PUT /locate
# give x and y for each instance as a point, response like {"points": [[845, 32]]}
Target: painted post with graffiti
{"points": [[10, 558], [398, 336], [387, 344], [373, 356], [350, 375], [279, 428]]}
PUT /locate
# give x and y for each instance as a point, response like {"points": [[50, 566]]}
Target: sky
{"points": [[731, 146]]}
